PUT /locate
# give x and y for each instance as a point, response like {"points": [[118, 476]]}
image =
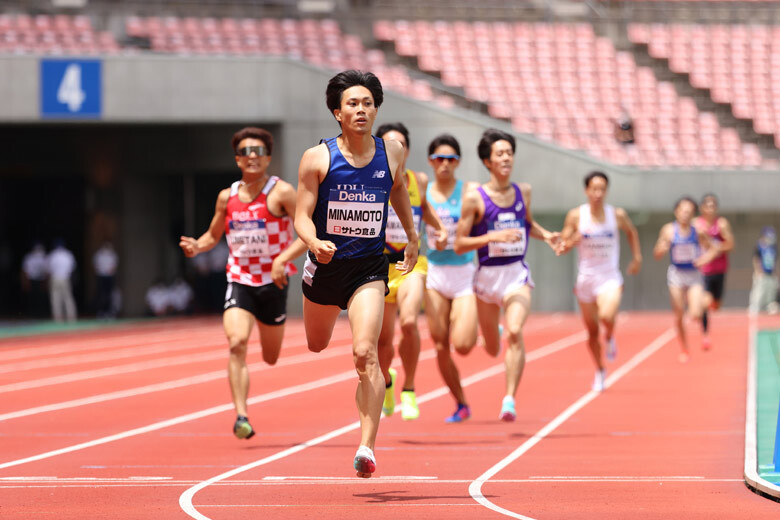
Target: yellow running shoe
{"points": [[388, 407], [409, 409]]}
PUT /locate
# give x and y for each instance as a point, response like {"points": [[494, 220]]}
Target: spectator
{"points": [[157, 300], [180, 297], [763, 294], [35, 270], [61, 265], [105, 262], [624, 128]]}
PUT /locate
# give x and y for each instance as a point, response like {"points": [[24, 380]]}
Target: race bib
{"points": [[450, 224], [248, 238], [684, 253], [503, 249], [394, 232], [356, 212]]}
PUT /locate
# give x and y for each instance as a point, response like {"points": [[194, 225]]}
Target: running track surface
{"points": [[135, 422]]}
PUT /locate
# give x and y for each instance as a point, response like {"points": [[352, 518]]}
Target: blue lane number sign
{"points": [[71, 88]]}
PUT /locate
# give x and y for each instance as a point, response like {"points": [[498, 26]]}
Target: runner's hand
{"points": [[505, 235], [441, 239], [323, 251], [189, 245], [410, 258], [634, 266], [278, 274]]}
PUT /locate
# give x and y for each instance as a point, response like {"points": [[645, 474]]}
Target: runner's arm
{"points": [[429, 216], [399, 197], [664, 242], [213, 234], [727, 244], [570, 235], [624, 223], [537, 231], [308, 190]]}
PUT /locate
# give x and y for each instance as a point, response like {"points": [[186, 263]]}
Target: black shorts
{"points": [[267, 303], [334, 283], [713, 284]]}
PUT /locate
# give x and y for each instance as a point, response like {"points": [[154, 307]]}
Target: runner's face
{"points": [[596, 191], [252, 164], [444, 168], [394, 135], [684, 212], [357, 112], [708, 207], [502, 159]]}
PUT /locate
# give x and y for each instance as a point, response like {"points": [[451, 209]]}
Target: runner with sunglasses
{"points": [[450, 303], [256, 215]]}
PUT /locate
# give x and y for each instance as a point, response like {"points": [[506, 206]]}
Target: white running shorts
{"points": [[684, 278], [494, 282], [451, 281], [588, 287]]}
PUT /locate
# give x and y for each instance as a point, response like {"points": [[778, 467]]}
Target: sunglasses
{"points": [[441, 157], [246, 151]]}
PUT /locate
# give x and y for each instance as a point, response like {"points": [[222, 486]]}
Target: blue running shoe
{"points": [[461, 414], [611, 349]]}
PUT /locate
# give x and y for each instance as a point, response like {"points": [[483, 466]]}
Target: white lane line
{"points": [[750, 472], [93, 357], [344, 376], [374, 482], [169, 385], [185, 500], [326, 381], [475, 489], [117, 339], [125, 369]]}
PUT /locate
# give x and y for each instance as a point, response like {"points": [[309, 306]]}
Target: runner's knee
{"points": [[363, 356]]}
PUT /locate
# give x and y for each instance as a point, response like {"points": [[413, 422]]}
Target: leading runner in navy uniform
{"points": [[344, 185]]}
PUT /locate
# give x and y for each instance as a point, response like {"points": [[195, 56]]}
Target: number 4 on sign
{"points": [[70, 92]]}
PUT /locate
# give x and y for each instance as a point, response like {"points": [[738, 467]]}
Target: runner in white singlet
{"points": [[593, 228]]}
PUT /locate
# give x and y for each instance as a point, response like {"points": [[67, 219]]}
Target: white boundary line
{"points": [[752, 478], [343, 376], [169, 385], [185, 500], [475, 489]]}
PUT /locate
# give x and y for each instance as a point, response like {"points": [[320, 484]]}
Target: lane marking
{"points": [[125, 369], [313, 385], [374, 482], [185, 500], [343, 376], [168, 385], [129, 352], [475, 488]]}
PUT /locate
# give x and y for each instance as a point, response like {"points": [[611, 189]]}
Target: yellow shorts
{"points": [[396, 278]]}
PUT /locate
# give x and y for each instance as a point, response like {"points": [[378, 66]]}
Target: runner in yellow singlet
{"points": [[406, 289]]}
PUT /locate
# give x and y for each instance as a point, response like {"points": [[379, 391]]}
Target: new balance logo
{"points": [[378, 174]]}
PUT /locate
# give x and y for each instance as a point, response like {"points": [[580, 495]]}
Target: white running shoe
{"points": [[365, 463], [611, 349], [598, 381]]}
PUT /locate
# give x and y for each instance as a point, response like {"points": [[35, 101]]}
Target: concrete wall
{"points": [[199, 93]]}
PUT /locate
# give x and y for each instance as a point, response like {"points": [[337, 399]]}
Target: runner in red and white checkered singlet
{"points": [[255, 237], [261, 249]]}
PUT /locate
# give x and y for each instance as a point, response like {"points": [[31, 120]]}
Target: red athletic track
{"points": [[665, 441]]}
